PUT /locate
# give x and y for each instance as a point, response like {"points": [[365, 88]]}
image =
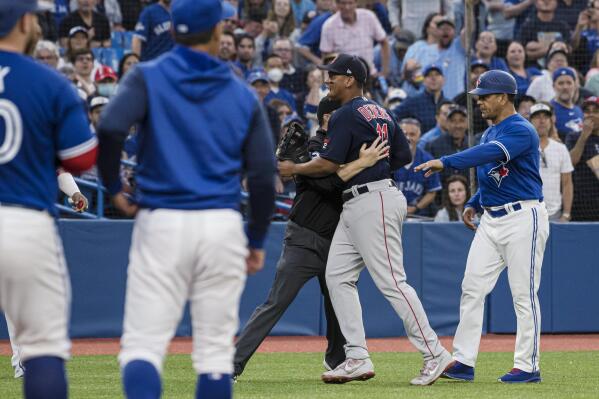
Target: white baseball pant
{"points": [[516, 241], [176, 256], [35, 290]]}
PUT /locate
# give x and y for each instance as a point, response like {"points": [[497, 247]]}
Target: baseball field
{"points": [[290, 367]]}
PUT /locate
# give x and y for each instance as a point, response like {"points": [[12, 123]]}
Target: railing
{"points": [[281, 207]]}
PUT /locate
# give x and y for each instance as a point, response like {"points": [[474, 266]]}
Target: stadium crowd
{"points": [[416, 56]]}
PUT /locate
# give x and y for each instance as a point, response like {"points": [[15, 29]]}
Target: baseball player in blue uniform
{"points": [[42, 120], [369, 230], [512, 233], [200, 127]]}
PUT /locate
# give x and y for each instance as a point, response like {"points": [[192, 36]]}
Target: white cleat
{"points": [[350, 370], [19, 371], [432, 369]]}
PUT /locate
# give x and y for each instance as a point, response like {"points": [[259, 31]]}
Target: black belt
{"points": [[502, 212], [363, 189]]}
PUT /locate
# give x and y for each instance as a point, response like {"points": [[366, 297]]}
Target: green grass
{"points": [[297, 375]]}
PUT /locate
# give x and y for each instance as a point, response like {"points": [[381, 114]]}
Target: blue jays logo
{"points": [[498, 173], [477, 82]]}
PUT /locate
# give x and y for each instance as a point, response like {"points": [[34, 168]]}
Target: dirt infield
{"points": [[489, 343]]}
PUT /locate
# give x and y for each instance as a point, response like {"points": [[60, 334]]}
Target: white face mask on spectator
{"points": [[107, 89], [275, 75]]}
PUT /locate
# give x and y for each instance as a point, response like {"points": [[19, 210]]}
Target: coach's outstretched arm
{"points": [[260, 169], [126, 109]]}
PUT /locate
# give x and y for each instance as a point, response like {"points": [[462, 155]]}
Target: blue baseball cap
{"points": [[495, 82], [12, 10], [565, 71], [194, 16], [257, 75], [479, 62], [432, 67]]}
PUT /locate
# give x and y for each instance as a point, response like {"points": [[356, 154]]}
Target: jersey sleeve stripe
{"points": [[505, 151], [82, 148]]}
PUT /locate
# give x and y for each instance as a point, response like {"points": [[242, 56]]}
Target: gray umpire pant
{"points": [[304, 256], [369, 234]]}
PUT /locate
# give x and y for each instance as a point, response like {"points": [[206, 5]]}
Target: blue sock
{"points": [[214, 386], [45, 378], [141, 380]]}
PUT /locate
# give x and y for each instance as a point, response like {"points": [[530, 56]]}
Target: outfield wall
{"points": [[435, 256]]}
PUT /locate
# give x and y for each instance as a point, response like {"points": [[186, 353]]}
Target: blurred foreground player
{"points": [[43, 120], [200, 127]]}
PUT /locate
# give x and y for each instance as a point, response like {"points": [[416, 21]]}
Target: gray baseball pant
{"points": [[369, 234]]}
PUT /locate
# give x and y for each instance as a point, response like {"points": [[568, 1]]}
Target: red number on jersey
{"points": [[382, 131]]}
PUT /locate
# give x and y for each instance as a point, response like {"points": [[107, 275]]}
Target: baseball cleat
{"points": [[517, 376], [326, 365], [460, 372], [350, 370], [19, 371], [432, 369]]}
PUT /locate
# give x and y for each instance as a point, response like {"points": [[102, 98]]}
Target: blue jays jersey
{"points": [[360, 121], [42, 120], [507, 161], [414, 185], [154, 29]]}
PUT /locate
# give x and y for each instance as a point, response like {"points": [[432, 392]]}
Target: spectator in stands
{"points": [[426, 50], [106, 81], [97, 24], [126, 62], [584, 151], [300, 8], [96, 104], [110, 8], [254, 10], [153, 31], [355, 31], [246, 49], [309, 41], [294, 76], [516, 62], [258, 79], [420, 191], [283, 109], [78, 40], [523, 104], [411, 15], [442, 126], [226, 49], [586, 35], [395, 96], [273, 66], [423, 106], [485, 49], [593, 67], [455, 195], [556, 165], [477, 68], [400, 42], [500, 23], [48, 24], [47, 53], [452, 57], [455, 141], [568, 116], [569, 11], [316, 92], [544, 27], [541, 88], [520, 10], [282, 13], [83, 62], [411, 78]]}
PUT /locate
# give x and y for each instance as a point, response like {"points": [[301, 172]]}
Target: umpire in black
{"points": [[312, 222]]}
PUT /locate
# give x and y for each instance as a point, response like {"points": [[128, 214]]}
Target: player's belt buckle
{"points": [[362, 189]]}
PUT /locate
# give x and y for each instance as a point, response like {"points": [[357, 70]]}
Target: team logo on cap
{"points": [[477, 82], [498, 173]]}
